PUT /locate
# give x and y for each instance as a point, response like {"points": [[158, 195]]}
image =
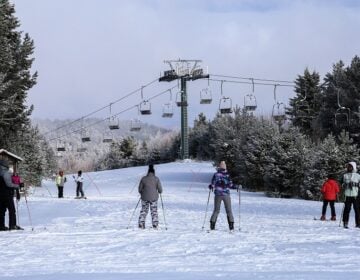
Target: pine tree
{"points": [[304, 108], [15, 76]]}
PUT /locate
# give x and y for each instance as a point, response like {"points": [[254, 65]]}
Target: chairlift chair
{"points": [[81, 149], [145, 108], [107, 138], [113, 123], [179, 101], [342, 117], [278, 112], [225, 106], [60, 147], [85, 137], [135, 125], [250, 103], [168, 111], [205, 96]]}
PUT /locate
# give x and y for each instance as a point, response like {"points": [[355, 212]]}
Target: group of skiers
{"points": [[150, 188], [331, 188], [61, 179]]}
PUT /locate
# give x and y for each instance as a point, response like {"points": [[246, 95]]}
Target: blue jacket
{"points": [[222, 183]]}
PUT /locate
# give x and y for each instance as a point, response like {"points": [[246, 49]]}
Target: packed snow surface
{"points": [[95, 238]]}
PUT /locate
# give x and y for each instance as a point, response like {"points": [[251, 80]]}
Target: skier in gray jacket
{"points": [[149, 189]]}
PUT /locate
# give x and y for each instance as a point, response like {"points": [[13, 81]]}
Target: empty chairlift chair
{"points": [[113, 123], [205, 96], [145, 108], [225, 106], [179, 101], [168, 111], [107, 138], [60, 147], [85, 137], [135, 125], [250, 103], [278, 112], [342, 117]]}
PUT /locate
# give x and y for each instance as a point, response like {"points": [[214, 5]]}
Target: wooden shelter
{"points": [[11, 158]]}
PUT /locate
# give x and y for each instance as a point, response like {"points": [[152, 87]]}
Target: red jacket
{"points": [[330, 189]]}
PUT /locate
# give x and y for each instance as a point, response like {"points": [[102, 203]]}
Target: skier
{"points": [[221, 184], [60, 180], [351, 180], [149, 189], [79, 185], [7, 188], [329, 190]]}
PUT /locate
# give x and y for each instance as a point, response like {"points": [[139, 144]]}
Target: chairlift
{"points": [[342, 117], [168, 111], [113, 123], [107, 138], [278, 112], [81, 149], [145, 108], [179, 101], [225, 105], [250, 103], [85, 137], [135, 125], [60, 147], [205, 96]]}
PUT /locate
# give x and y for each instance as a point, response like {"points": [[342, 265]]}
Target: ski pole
{"points": [[163, 209], [17, 212], [207, 204], [28, 209], [239, 190], [92, 181], [342, 213], [137, 204]]}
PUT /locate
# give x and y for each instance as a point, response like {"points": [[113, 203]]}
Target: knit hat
{"points": [[151, 169], [4, 163], [222, 165]]}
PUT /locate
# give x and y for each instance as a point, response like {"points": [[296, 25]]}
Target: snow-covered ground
{"points": [[89, 239]]}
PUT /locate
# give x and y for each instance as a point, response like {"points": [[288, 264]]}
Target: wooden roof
{"points": [[11, 155]]}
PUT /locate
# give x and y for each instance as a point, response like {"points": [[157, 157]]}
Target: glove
{"points": [[211, 187]]}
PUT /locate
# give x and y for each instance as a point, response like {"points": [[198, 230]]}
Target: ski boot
{"points": [[212, 225], [322, 218], [4, 228], [346, 225], [333, 218], [16, 227], [231, 226], [142, 226]]}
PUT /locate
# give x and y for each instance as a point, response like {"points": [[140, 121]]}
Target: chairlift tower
{"points": [[183, 70]]}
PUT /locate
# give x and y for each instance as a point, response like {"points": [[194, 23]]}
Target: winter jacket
{"points": [[16, 179], [7, 187], [60, 180], [221, 182], [150, 187], [330, 189], [351, 182], [79, 179]]}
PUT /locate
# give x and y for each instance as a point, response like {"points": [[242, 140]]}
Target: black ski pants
{"points": [[332, 207], [354, 202], [7, 203], [60, 191]]}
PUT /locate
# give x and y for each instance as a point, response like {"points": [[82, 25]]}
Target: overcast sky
{"points": [[89, 53]]}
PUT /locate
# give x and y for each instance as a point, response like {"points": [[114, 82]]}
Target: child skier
{"points": [[329, 190], [79, 185]]}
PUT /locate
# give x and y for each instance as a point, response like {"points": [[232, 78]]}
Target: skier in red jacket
{"points": [[329, 190]]}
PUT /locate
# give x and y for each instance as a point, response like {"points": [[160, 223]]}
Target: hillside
{"points": [[89, 239]]}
